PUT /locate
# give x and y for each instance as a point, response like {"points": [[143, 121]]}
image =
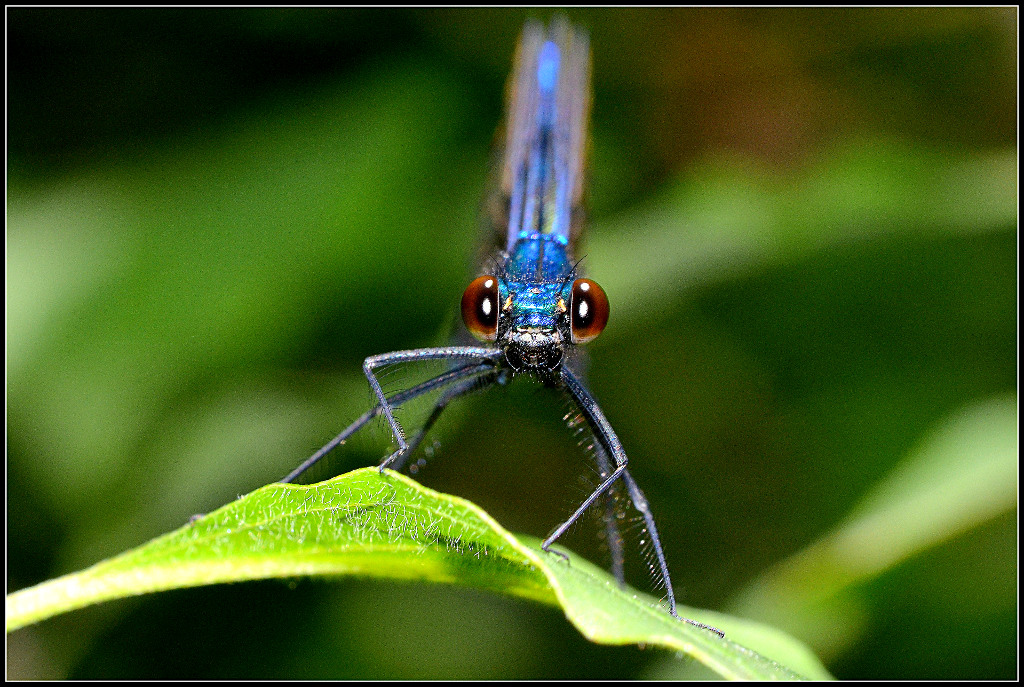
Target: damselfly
{"points": [[532, 307]]}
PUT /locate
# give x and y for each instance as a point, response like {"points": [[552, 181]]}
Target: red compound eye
{"points": [[480, 306], [588, 310]]}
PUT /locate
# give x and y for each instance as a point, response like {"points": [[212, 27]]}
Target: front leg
{"points": [[384, 359], [369, 364], [606, 436]]}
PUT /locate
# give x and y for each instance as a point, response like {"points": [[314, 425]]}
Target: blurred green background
{"points": [[806, 224]]}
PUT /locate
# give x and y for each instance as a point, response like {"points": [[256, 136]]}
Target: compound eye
{"points": [[480, 308], [588, 310]]}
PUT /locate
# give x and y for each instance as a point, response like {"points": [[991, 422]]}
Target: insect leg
{"points": [[450, 395], [397, 399], [611, 526], [481, 355], [606, 436]]}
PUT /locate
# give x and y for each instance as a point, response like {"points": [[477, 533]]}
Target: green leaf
{"points": [[389, 526]]}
